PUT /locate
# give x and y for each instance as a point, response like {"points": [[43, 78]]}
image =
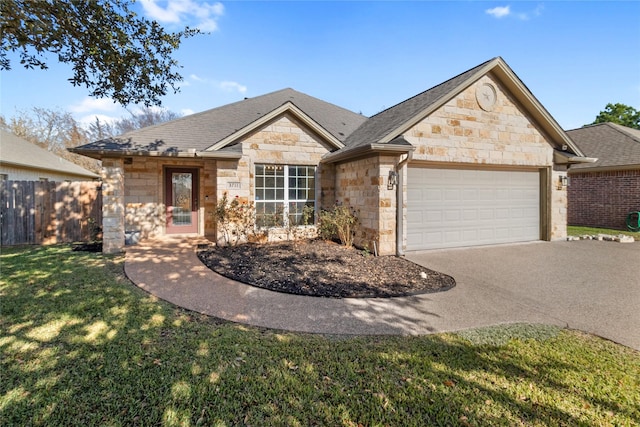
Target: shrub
{"points": [[341, 222], [236, 220]]}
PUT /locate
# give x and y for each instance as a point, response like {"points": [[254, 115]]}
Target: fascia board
{"points": [[366, 150], [564, 158], [590, 169], [99, 154], [17, 165], [284, 108]]}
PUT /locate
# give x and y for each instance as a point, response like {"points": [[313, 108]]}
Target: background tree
{"points": [[53, 130], [621, 114], [146, 116], [113, 52]]}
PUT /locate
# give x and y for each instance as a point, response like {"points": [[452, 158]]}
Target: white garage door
{"points": [[462, 207]]}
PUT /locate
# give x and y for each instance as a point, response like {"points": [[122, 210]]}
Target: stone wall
{"points": [[112, 205], [285, 141], [361, 184], [461, 132], [603, 199], [145, 194]]}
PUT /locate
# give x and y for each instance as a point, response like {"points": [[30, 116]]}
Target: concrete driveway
{"points": [[588, 285]]}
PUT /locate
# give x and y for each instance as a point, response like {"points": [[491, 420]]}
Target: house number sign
{"points": [[234, 185]]}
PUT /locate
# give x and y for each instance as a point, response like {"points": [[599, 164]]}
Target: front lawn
{"points": [[80, 345]]}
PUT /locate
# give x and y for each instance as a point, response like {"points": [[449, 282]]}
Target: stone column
{"points": [[112, 205]]}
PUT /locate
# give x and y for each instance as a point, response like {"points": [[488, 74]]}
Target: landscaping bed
{"points": [[324, 269]]}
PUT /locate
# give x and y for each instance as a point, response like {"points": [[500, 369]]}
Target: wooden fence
{"points": [[43, 212]]}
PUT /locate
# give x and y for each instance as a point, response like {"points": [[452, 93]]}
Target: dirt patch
{"points": [[324, 269]]}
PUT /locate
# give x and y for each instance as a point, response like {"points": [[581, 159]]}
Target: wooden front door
{"points": [[181, 186]]}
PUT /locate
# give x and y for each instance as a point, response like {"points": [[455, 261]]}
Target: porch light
{"points": [[563, 182], [393, 180]]}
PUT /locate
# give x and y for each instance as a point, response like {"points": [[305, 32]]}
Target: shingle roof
{"points": [[614, 145], [202, 130], [19, 152], [380, 125]]}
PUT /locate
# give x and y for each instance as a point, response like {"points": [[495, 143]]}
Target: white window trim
{"points": [[286, 201]]}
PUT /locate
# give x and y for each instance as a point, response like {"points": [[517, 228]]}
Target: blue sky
{"points": [[367, 56]]}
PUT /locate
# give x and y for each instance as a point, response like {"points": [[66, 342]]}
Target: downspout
{"points": [[400, 204]]}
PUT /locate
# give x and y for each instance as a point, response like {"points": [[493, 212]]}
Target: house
{"points": [[21, 160], [603, 193], [476, 160]]}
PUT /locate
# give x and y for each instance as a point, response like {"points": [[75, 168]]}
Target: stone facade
{"points": [[112, 205], [461, 133], [603, 199], [458, 134], [144, 196], [361, 184], [285, 141]]}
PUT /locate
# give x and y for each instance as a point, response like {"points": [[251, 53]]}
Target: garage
{"points": [[449, 207]]}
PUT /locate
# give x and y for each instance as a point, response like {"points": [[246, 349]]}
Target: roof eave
{"points": [[284, 108], [589, 169], [58, 171], [364, 150], [100, 154], [565, 158]]}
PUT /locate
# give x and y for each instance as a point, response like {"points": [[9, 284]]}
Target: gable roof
{"points": [[16, 151], [616, 147], [213, 130], [389, 125]]}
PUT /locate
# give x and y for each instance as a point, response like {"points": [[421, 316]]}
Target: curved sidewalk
{"points": [[171, 270]]}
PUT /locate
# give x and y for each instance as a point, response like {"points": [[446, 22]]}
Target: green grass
{"points": [[80, 345], [574, 230]]}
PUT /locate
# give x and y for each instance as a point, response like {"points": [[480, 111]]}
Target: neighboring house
{"points": [[603, 193], [21, 160], [475, 160]]}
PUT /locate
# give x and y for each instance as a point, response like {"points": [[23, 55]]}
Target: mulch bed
{"points": [[324, 269]]}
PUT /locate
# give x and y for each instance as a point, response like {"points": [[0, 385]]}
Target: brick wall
{"points": [[603, 199]]}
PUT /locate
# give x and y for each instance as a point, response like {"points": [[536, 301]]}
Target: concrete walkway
{"points": [[588, 285]]}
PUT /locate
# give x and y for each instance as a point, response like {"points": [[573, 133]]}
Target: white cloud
{"points": [[186, 112], [93, 104], [232, 87], [203, 15], [499, 12], [503, 11], [196, 78]]}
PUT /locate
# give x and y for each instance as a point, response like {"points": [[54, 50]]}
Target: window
{"points": [[282, 192]]}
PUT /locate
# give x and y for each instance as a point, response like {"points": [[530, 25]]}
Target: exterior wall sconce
{"points": [[393, 180], [563, 182]]}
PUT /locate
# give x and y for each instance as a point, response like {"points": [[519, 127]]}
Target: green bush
{"points": [[341, 222]]}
